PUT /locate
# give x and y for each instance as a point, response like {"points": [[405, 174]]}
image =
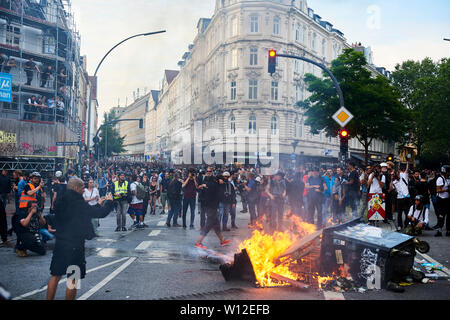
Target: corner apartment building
{"points": [[47, 107]]}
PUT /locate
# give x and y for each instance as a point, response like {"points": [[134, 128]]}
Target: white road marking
{"points": [[106, 240], [154, 233], [161, 223], [107, 279], [144, 245], [32, 293], [429, 259], [330, 295]]}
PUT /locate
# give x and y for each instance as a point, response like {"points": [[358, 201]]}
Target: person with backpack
{"points": [[135, 209], [417, 218]]}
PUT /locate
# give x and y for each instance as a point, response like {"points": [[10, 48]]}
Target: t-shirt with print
{"points": [[444, 184], [134, 199]]}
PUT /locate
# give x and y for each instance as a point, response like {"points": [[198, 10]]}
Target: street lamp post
{"points": [[95, 74]]}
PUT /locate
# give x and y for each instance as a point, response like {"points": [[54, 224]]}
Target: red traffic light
{"points": [[343, 133]]}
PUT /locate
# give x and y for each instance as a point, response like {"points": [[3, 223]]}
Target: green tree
{"points": [[425, 89], [374, 102], [109, 135]]}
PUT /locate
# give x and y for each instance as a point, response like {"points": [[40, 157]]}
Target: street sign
{"points": [[343, 116], [377, 207], [61, 144], [6, 87]]}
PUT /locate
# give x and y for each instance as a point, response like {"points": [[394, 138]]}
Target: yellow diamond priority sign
{"points": [[343, 117]]}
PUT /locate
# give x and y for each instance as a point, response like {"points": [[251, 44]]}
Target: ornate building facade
{"points": [[224, 86]]}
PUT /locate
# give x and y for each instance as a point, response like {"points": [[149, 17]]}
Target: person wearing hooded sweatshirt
{"points": [[73, 225]]}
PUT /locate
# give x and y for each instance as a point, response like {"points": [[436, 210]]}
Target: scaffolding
{"points": [[45, 31]]}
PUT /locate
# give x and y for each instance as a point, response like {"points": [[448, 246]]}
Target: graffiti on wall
{"points": [[36, 149], [8, 142]]}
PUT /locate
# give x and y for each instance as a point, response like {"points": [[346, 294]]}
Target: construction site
{"points": [[40, 48]]}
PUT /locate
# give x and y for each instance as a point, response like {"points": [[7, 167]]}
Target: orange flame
{"points": [[264, 249]]}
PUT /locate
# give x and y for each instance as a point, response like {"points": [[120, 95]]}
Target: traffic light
{"points": [[390, 158], [272, 61], [344, 136]]}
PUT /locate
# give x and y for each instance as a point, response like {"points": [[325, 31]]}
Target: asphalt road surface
{"points": [[162, 263]]}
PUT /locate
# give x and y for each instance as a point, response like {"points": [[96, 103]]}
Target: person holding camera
{"points": [[417, 218], [27, 225], [399, 182], [32, 192], [190, 187], [227, 201]]}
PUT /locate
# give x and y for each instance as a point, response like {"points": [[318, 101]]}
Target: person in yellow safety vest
{"points": [[31, 190], [121, 192]]}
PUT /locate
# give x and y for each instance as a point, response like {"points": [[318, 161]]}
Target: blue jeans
{"points": [[46, 235], [175, 207], [188, 202], [224, 211], [326, 210]]}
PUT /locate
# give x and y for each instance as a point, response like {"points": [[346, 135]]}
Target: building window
{"points": [[233, 125], [254, 24], [253, 56], [314, 39], [233, 90], [252, 124], [295, 127], [274, 126], [234, 58], [304, 35], [324, 46], [297, 92], [297, 32], [253, 89], [49, 45], [276, 26], [274, 91], [234, 27], [296, 66], [12, 35]]}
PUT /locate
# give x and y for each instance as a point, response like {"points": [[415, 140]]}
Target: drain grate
{"points": [[212, 295]]}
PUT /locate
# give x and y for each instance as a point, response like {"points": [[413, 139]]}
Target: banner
{"points": [[377, 207]]}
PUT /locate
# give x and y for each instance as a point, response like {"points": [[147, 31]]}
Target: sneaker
{"points": [[191, 227], [225, 242], [168, 224], [22, 253], [140, 226], [244, 211], [184, 227], [117, 229], [124, 229], [145, 226], [438, 234], [199, 245]]}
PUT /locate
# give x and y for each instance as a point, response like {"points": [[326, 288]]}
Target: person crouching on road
{"points": [[417, 218], [73, 221], [27, 225]]}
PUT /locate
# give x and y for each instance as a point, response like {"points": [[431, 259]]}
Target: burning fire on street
{"points": [[264, 251]]}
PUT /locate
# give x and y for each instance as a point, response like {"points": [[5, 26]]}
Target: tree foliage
{"points": [[425, 91], [110, 136], [374, 102]]}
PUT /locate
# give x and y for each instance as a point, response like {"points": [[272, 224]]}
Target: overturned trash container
{"points": [[371, 256]]}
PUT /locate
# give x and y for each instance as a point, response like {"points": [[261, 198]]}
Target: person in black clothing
{"points": [[227, 200], [211, 190], [73, 223], [388, 193], [46, 75], [3, 223], [294, 189], [27, 226], [11, 63], [201, 178], [174, 196], [29, 68], [5, 187]]}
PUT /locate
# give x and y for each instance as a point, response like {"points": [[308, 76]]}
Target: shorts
{"points": [[136, 209], [67, 258]]}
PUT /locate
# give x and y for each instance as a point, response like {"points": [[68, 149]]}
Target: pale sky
{"points": [[395, 30]]}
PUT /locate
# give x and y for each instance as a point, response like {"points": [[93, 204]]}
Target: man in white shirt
{"points": [[376, 181], [443, 200], [399, 182], [418, 217], [135, 210]]}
